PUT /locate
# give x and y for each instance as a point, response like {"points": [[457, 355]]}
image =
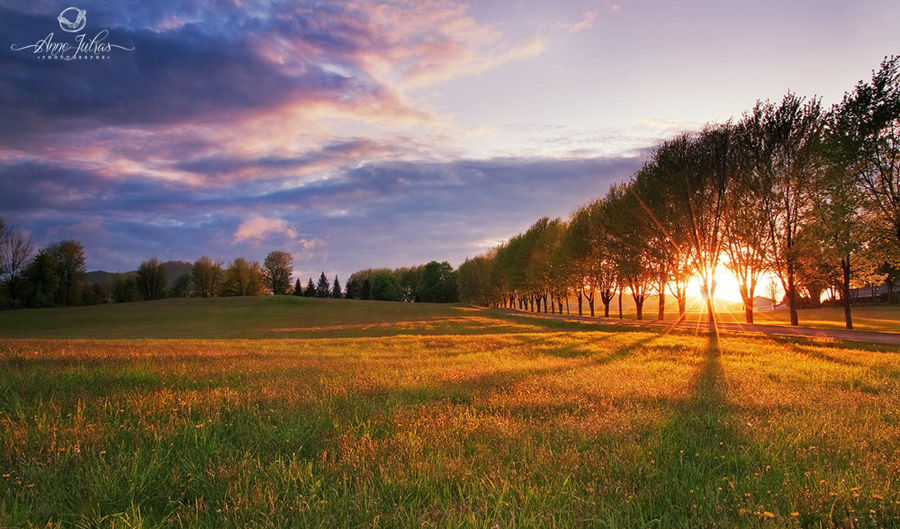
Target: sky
{"points": [[376, 134]]}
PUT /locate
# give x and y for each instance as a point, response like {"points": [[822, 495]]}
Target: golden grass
{"points": [[528, 428]]}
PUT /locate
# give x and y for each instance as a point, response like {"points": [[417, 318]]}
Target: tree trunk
{"points": [[748, 311], [591, 304], [845, 291], [792, 295], [620, 303], [580, 303], [606, 303], [661, 312]]}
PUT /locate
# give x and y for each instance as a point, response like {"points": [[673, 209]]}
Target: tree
{"points": [[69, 258], [409, 279], [244, 278], [628, 241], [151, 280], [207, 275], [310, 291], [472, 280], [386, 287], [298, 288], [785, 147], [747, 242], [323, 288], [277, 269], [868, 125], [43, 279], [15, 252], [182, 286], [438, 284], [336, 291], [122, 288]]}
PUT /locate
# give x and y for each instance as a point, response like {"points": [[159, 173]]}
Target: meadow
{"points": [[289, 412]]}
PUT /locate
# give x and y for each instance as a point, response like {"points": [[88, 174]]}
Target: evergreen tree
{"points": [[310, 289], [336, 289], [298, 288], [323, 289]]}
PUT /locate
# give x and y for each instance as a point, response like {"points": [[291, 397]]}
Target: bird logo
{"points": [[72, 26]]}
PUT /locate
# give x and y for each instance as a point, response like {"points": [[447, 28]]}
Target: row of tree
{"points": [[807, 194]]}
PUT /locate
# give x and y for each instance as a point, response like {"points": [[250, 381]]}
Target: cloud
{"points": [[586, 23], [261, 228]]}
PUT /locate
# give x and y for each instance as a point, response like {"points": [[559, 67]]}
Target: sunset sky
{"points": [[373, 134]]}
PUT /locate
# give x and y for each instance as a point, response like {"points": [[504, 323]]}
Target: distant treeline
{"points": [[430, 283], [55, 276], [803, 193]]}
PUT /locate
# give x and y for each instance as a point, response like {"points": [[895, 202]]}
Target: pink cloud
{"points": [[260, 228]]}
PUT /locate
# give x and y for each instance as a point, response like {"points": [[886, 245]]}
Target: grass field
{"points": [[286, 412]]}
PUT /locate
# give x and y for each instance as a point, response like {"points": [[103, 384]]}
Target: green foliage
{"points": [[243, 278], [310, 291], [151, 280], [336, 291], [277, 269], [43, 278], [323, 287], [438, 284], [208, 276], [386, 287]]}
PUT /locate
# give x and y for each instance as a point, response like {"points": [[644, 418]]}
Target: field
{"points": [[289, 412]]}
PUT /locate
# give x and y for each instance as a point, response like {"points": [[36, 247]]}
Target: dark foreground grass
{"points": [[477, 424]]}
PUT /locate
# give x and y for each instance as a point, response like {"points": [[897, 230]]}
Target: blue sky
{"points": [[368, 134]]}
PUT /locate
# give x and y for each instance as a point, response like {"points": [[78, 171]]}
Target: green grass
{"points": [[390, 415], [277, 317]]}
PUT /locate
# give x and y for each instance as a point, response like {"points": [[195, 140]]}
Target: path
{"points": [[780, 330]]}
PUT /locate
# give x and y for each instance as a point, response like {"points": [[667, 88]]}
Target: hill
{"points": [[174, 269], [250, 318]]}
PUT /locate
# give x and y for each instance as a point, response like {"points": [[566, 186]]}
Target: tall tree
{"points": [[244, 278], [627, 225], [70, 268], [473, 278], [385, 287], [151, 280], [336, 291], [310, 291], [122, 288], [323, 288], [298, 288], [785, 148], [207, 275], [16, 251], [438, 283], [43, 279], [747, 241], [277, 269], [867, 123]]}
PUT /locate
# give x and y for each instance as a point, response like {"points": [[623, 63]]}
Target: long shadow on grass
{"points": [[690, 474]]}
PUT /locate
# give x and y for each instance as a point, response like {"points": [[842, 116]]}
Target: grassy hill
{"points": [[273, 317]]}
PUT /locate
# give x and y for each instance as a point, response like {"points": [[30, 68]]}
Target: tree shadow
{"points": [[695, 460]]}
